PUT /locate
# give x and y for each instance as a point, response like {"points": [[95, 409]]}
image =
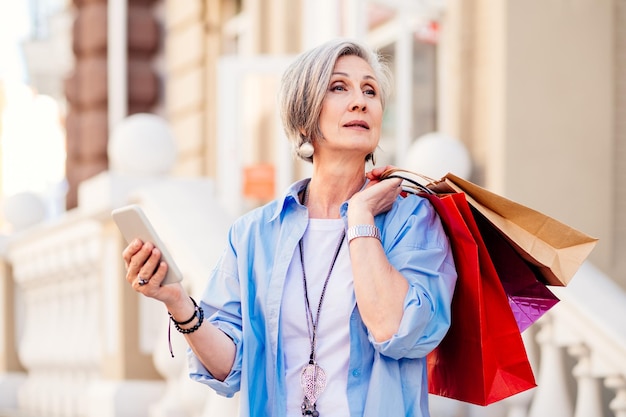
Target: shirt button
{"points": [[356, 373]]}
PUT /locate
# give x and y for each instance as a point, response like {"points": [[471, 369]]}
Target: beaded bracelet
{"points": [[195, 326], [197, 312]]}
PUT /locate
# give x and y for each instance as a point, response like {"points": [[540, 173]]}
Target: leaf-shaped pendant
{"points": [[313, 381]]}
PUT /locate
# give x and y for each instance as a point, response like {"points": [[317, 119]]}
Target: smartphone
{"points": [[133, 223]]}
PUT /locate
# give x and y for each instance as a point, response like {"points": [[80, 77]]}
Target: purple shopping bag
{"points": [[528, 297]]}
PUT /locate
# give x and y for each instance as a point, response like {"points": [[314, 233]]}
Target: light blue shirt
{"points": [[243, 298]]}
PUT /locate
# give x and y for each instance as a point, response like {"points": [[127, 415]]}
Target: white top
{"points": [[333, 333]]}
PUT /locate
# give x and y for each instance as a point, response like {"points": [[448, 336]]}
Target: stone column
{"points": [[143, 45], [87, 86], [86, 92]]}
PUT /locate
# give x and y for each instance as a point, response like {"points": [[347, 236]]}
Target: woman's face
{"points": [[352, 113]]}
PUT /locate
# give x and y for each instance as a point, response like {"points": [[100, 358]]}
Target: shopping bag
{"points": [[529, 298], [522, 280], [555, 249], [482, 358]]}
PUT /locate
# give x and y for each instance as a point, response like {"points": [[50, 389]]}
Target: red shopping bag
{"points": [[482, 359]]}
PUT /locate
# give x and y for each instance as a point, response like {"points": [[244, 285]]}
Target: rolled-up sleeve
{"points": [[221, 302], [417, 246]]}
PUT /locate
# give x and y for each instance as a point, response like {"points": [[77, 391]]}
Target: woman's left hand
{"points": [[377, 197]]}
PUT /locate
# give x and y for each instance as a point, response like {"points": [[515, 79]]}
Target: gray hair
{"points": [[305, 83]]}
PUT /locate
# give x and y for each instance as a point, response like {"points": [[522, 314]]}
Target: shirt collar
{"points": [[289, 197]]}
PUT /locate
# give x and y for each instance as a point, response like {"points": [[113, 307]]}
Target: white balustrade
{"points": [[56, 271]]}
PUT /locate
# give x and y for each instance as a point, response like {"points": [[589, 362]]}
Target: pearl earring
{"points": [[306, 150]]}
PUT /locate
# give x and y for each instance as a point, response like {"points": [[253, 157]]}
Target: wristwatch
{"points": [[363, 230]]}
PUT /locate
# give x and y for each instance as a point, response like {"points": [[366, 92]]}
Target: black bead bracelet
{"points": [[195, 327], [197, 312]]}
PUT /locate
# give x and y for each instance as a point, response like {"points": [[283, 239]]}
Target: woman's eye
{"points": [[370, 92], [337, 88]]}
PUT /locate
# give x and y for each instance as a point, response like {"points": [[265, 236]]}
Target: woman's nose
{"points": [[358, 101]]}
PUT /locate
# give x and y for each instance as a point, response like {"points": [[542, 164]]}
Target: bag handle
{"points": [[415, 186]]}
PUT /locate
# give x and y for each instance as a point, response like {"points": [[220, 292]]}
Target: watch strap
{"points": [[363, 230]]}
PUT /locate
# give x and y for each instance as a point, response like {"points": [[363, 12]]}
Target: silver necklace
{"points": [[313, 377]]}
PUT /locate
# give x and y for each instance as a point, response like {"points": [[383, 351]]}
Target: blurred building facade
{"points": [[529, 93], [535, 90], [537, 101]]}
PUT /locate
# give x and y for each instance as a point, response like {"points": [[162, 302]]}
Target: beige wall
{"points": [[619, 158], [186, 83], [534, 101], [195, 41], [559, 113]]}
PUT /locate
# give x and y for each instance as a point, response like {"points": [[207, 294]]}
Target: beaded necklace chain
{"points": [[313, 377]]}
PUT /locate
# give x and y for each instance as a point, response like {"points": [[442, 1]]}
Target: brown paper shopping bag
{"points": [[556, 249]]}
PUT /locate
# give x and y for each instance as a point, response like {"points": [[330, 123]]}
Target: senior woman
{"points": [[327, 300]]}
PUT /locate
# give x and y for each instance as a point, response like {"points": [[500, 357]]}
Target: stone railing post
{"points": [[618, 404], [552, 399], [589, 397]]}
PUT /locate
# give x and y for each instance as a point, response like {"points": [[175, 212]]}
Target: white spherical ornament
{"points": [[435, 154], [23, 210], [142, 144]]}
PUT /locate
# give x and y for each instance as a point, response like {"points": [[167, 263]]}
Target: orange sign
{"points": [[259, 182], [428, 33]]}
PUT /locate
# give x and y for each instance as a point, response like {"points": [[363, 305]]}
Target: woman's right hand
{"points": [[145, 271], [212, 346]]}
